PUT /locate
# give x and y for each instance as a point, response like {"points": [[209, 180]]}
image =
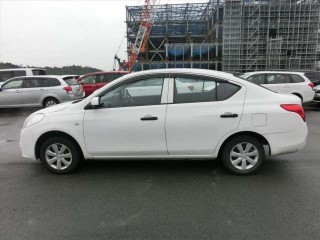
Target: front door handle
{"points": [[229, 115], [149, 118], [18, 91]]}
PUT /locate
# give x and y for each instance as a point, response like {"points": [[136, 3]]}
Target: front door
{"points": [[202, 112], [130, 121], [10, 94]]}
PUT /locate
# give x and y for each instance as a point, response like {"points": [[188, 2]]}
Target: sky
{"points": [[65, 32]]}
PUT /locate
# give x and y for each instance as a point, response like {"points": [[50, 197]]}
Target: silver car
{"points": [[39, 91]]}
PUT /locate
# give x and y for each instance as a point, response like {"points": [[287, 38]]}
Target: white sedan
{"points": [[150, 115]]}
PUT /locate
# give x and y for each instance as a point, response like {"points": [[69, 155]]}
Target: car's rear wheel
{"points": [[243, 154], [60, 155], [50, 102]]}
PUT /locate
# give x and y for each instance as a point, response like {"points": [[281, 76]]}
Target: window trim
{"points": [[132, 80], [172, 87], [11, 80]]}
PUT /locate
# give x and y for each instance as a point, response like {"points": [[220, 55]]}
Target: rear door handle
{"points": [[229, 115], [18, 91], [149, 118]]}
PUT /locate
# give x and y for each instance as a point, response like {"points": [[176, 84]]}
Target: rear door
{"points": [[203, 110], [33, 89], [10, 94], [278, 82]]}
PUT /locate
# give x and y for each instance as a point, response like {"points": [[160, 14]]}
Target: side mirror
{"points": [[95, 102]]}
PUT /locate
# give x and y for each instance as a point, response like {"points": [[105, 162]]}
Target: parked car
{"points": [[94, 81], [237, 120], [6, 74], [38, 91], [317, 94], [284, 82]]}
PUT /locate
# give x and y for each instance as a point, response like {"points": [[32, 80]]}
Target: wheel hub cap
{"points": [[244, 156], [58, 156]]}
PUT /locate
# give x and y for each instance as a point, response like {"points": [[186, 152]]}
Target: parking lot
{"points": [[159, 199]]}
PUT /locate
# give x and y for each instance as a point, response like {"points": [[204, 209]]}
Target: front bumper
{"points": [[28, 139]]}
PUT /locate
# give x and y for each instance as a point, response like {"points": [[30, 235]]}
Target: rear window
{"points": [[36, 72], [71, 82], [310, 76]]}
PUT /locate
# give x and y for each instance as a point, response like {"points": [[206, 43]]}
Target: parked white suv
{"points": [[284, 82], [150, 115], [6, 74], [39, 91]]}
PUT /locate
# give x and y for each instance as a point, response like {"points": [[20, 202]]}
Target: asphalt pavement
{"points": [[159, 199]]}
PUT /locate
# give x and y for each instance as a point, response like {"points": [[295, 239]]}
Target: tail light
{"points": [[311, 85], [295, 108], [68, 89]]}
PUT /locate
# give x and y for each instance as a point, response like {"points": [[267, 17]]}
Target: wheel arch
{"points": [[49, 134], [48, 97], [298, 95], [256, 135]]}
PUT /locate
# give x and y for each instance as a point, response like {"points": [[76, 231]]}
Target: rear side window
{"points": [[5, 75], [53, 82], [35, 82], [19, 73], [189, 90], [278, 79], [37, 72], [71, 82], [296, 78]]}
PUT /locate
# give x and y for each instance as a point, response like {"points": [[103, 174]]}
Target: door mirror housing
{"points": [[95, 102]]}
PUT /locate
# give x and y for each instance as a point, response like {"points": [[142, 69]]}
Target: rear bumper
{"points": [[287, 142]]}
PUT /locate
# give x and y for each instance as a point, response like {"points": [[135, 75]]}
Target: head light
{"points": [[33, 119]]}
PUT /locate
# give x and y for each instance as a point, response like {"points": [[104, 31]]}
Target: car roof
{"points": [[284, 72], [19, 69]]}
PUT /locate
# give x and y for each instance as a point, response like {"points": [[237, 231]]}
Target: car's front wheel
{"points": [[60, 155], [243, 154]]}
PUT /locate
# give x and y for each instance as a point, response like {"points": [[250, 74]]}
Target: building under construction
{"points": [[230, 35]]}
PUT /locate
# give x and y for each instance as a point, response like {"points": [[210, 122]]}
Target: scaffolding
{"points": [[231, 35]]}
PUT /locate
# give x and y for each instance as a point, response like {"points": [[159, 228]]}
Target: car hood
{"points": [[55, 108]]}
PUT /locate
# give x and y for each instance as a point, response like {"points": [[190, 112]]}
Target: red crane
{"points": [[142, 38]]}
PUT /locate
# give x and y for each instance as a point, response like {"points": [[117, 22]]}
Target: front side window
{"points": [[257, 79], [12, 84], [188, 90], [90, 79], [139, 93], [106, 78]]}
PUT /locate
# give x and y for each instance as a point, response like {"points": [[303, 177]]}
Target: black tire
{"points": [[231, 145], [76, 156], [47, 101]]}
